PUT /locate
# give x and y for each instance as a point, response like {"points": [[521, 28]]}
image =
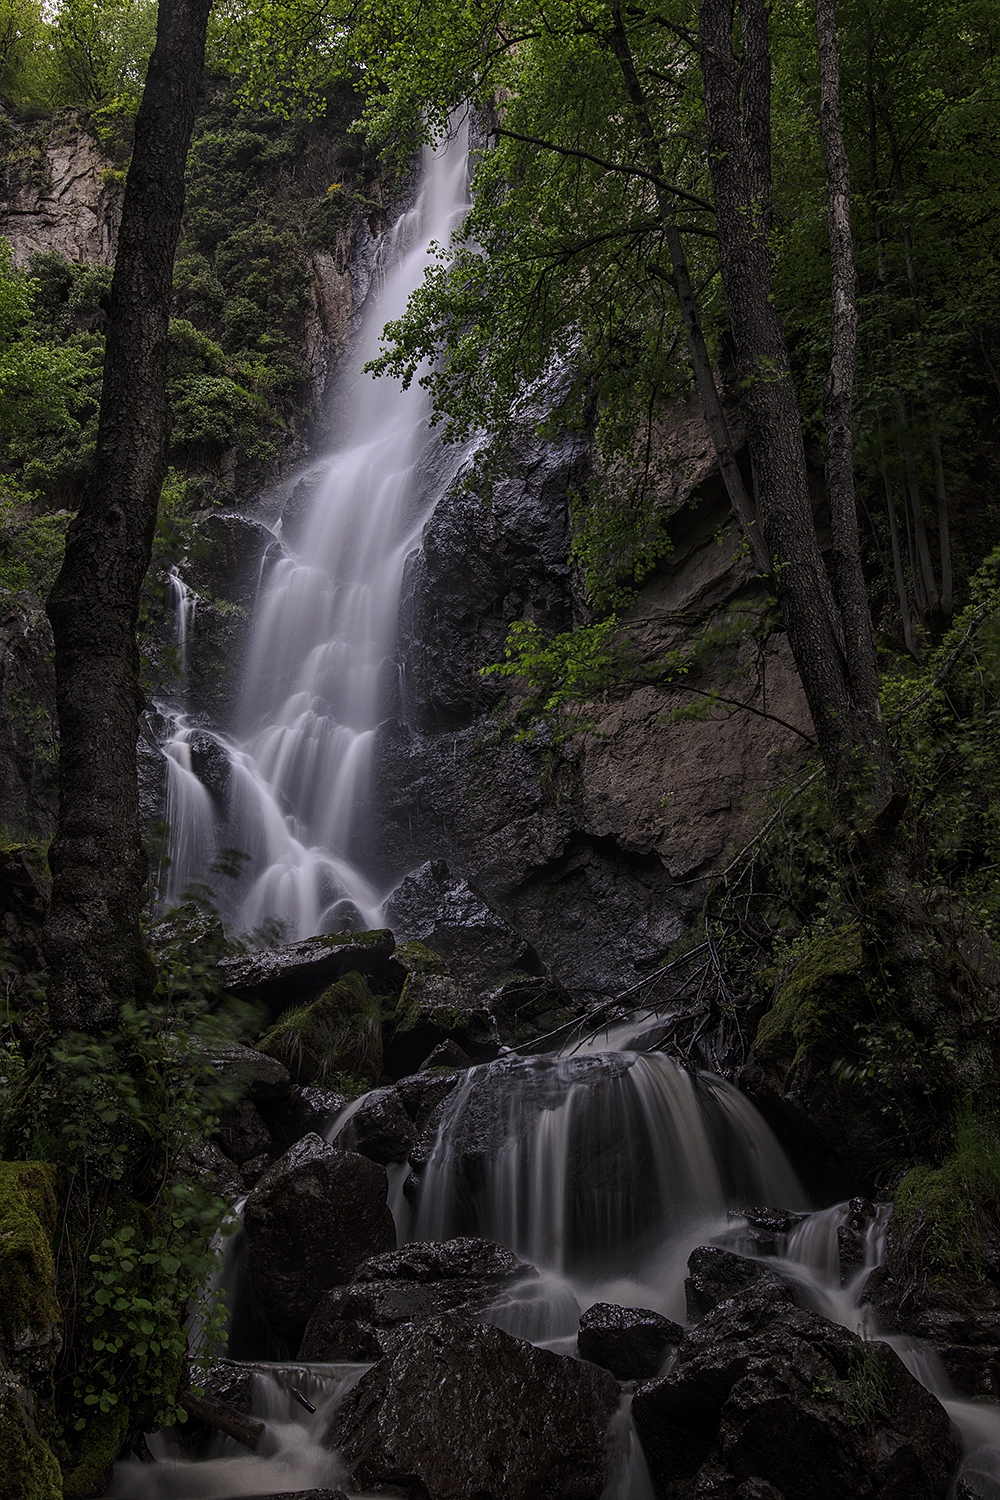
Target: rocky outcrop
{"points": [[463, 1277], [62, 195], [457, 1412], [768, 1399], [313, 1217], [279, 977]]}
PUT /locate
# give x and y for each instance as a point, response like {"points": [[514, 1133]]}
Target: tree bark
{"points": [[833, 656], [93, 944]]}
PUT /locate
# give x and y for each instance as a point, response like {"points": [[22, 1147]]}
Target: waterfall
{"points": [[321, 673]]}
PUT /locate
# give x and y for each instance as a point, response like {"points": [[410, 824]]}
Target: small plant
{"points": [[866, 1388]]}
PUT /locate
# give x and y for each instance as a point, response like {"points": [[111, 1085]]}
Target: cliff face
{"points": [[61, 194], [596, 849]]}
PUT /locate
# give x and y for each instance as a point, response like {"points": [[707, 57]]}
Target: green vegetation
{"points": [[949, 1215], [339, 1033]]}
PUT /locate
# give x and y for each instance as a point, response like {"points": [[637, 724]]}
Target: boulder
{"points": [[716, 1275], [338, 1032], [280, 977], [435, 1008], [462, 1412], [242, 1133], [423, 1093], [212, 1167], [631, 1342], [313, 1217], [380, 1128], [447, 1054], [447, 915], [464, 1277], [771, 1400], [308, 1108], [250, 1073]]}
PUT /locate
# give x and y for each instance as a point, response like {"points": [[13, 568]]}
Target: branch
{"points": [[746, 707], [762, 833], [941, 675], [609, 166]]}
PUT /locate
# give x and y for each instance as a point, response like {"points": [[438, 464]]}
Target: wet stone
{"points": [[631, 1342], [716, 1275], [380, 1128], [464, 1277], [308, 1109], [283, 976], [447, 1054], [456, 1411], [242, 1133], [254, 1074]]}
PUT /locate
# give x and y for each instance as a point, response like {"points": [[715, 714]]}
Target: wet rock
{"points": [[283, 976], [380, 1128], [303, 1495], [308, 1108], [216, 1172], [715, 1275], [631, 1342], [526, 1007], [252, 1171], [242, 1133], [224, 1380], [188, 930], [446, 1054], [766, 1394], [463, 1412], [434, 1008], [251, 1073], [313, 1217], [463, 1277], [445, 913], [764, 1228], [423, 1093], [853, 1237]]}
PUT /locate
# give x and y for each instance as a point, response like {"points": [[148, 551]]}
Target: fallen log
{"points": [[224, 1418]]}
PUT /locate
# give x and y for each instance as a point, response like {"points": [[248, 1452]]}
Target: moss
{"points": [[437, 999], [811, 1020], [948, 1213], [30, 1330], [87, 1475], [417, 958], [28, 1467], [339, 1032]]}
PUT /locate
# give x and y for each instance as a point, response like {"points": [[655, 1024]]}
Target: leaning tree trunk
{"points": [[833, 661], [93, 944]]}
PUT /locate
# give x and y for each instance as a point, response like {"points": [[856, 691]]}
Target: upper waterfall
{"points": [[321, 674]]}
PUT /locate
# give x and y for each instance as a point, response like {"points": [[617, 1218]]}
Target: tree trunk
{"points": [[93, 943]]}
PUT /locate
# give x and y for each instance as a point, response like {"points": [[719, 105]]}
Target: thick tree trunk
{"points": [[93, 944]]}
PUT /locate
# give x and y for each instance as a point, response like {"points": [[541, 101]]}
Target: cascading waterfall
{"points": [[321, 674]]}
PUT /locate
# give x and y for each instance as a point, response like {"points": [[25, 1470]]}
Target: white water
{"points": [[321, 674]]}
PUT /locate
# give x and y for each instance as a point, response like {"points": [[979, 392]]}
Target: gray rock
{"points": [[380, 1128], [477, 943], [463, 1277], [463, 1412], [313, 1217], [251, 1073], [447, 1054], [631, 1342], [283, 976], [716, 1275], [308, 1108], [423, 1093], [216, 1172], [768, 1398], [242, 1132]]}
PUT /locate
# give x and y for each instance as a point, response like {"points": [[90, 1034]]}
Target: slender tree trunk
{"points": [[897, 562], [715, 417], [93, 944], [838, 396], [737, 101]]}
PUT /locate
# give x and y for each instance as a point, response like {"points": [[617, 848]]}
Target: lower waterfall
{"points": [[604, 1170]]}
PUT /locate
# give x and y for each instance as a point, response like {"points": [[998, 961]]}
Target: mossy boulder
{"points": [[794, 1065], [30, 1331], [294, 974], [337, 1034], [434, 1008]]}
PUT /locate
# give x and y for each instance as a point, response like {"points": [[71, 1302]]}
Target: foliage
{"points": [[30, 550], [339, 1033], [950, 1214]]}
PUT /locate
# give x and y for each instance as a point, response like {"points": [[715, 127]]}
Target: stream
{"points": [[603, 1166]]}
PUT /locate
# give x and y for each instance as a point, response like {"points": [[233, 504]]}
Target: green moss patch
{"points": [[949, 1215], [811, 1023], [339, 1032], [30, 1330]]}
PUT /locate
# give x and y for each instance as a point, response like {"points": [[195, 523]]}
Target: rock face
{"points": [[476, 942], [463, 1277], [310, 1221], [457, 1412], [768, 1400], [631, 1342], [71, 204]]}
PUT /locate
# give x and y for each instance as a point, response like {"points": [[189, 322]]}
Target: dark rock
{"points": [[380, 1128], [853, 1237], [764, 1393], [302, 1495], [447, 1054], [423, 1093], [212, 765], [310, 1221], [24, 896], [463, 1412], [462, 1277], [227, 1381], [716, 1275], [242, 1132], [477, 942], [188, 930], [252, 1171], [215, 1170], [525, 1007], [972, 1485], [631, 1342], [253, 1074], [308, 1108], [280, 977], [434, 1008]]}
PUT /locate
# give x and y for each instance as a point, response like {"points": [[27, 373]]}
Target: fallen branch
{"points": [[224, 1418]]}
